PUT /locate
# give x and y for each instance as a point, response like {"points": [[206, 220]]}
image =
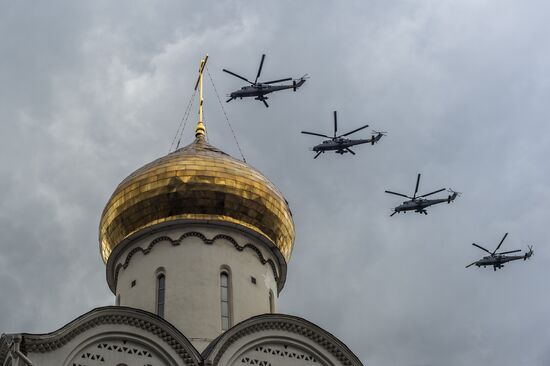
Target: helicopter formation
{"points": [[340, 144]]}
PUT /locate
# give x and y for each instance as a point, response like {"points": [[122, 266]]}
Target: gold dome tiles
{"points": [[197, 182]]}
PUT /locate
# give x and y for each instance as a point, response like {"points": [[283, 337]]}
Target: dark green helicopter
{"points": [[497, 260], [258, 90], [339, 144], [420, 203]]}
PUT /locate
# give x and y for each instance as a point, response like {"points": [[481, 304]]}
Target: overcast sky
{"points": [[90, 91]]}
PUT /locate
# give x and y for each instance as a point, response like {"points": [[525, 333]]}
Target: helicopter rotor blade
{"points": [[335, 124], [397, 194], [417, 183], [499, 244], [434, 192], [357, 129], [480, 247], [316, 134], [471, 264], [510, 251], [236, 75], [260, 69], [277, 81]]}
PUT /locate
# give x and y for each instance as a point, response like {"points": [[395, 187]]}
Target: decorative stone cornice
{"points": [[33, 343], [120, 316], [213, 353], [4, 348], [205, 240]]}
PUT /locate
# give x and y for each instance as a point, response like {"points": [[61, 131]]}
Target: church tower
{"points": [[198, 238], [196, 246]]}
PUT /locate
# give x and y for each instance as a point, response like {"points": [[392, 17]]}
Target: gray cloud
{"points": [[90, 92]]}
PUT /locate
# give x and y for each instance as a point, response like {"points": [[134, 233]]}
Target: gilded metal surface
{"points": [[196, 182]]}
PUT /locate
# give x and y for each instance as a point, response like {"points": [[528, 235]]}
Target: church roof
{"points": [[252, 341], [197, 182]]}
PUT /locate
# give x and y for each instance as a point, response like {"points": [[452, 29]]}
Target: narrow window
{"points": [[161, 287], [271, 302], [224, 296], [117, 303]]}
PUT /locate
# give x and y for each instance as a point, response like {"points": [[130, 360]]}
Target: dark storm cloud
{"points": [[89, 92]]}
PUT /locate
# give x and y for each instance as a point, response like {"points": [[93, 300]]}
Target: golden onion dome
{"points": [[197, 182]]}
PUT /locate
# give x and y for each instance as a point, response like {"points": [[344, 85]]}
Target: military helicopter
{"points": [[339, 143], [260, 89], [419, 203], [497, 260]]}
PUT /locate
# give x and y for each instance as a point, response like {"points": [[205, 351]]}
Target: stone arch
{"points": [[105, 329], [278, 340], [278, 351], [119, 348]]}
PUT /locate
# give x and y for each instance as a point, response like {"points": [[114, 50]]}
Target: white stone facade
{"points": [[192, 259], [121, 336], [191, 256]]}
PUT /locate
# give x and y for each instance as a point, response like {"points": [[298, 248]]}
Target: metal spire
{"points": [[200, 130]]}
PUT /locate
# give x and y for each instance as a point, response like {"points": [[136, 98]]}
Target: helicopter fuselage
{"points": [[259, 90], [420, 204], [498, 261], [339, 145]]}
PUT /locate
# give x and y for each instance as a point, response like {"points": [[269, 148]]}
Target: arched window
{"points": [[271, 302], [225, 301], [161, 288]]}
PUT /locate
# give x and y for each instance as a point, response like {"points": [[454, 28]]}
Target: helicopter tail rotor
{"points": [[376, 136], [299, 82], [529, 254], [453, 195]]}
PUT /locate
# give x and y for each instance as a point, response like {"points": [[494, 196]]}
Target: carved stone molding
{"points": [[120, 316], [287, 323], [4, 347], [205, 240], [279, 266], [173, 338]]}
